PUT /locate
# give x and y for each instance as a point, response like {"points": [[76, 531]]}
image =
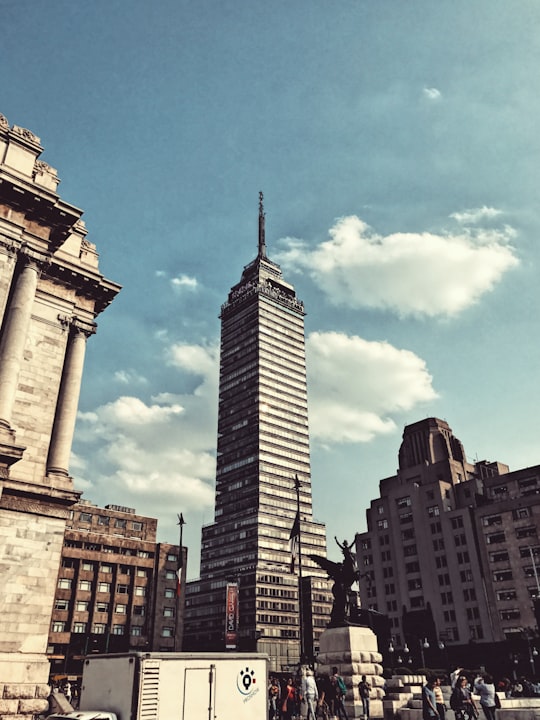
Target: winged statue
{"points": [[344, 574]]}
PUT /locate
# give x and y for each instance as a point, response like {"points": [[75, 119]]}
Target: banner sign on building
{"points": [[231, 616]]}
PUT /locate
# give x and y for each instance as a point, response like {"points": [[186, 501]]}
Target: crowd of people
{"points": [[310, 697], [322, 696], [465, 692]]}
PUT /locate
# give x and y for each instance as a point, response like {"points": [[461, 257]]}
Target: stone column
{"points": [[15, 332], [68, 402]]}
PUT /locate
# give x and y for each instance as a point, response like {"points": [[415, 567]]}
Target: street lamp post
{"points": [[391, 651], [423, 644], [532, 653]]}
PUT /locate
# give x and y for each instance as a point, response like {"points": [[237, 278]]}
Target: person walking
{"points": [[67, 691], [310, 694], [485, 687], [273, 697], [429, 703], [288, 707], [439, 698], [364, 689], [340, 690], [461, 700]]}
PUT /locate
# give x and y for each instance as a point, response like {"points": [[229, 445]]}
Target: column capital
{"points": [[76, 325], [83, 327], [34, 258]]}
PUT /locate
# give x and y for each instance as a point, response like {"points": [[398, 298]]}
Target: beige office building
{"points": [[451, 549], [51, 291]]}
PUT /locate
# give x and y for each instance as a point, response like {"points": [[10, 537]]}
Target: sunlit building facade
{"points": [[451, 549], [116, 589], [262, 447]]}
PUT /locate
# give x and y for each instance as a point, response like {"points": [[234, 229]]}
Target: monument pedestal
{"points": [[354, 651]]}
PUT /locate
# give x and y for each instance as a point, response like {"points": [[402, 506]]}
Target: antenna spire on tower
{"points": [[262, 240]]}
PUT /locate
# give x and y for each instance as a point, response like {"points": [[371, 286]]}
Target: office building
{"points": [[116, 589], [451, 548], [51, 291], [263, 445]]}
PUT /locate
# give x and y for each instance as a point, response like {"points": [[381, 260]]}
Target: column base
{"points": [[354, 651]]}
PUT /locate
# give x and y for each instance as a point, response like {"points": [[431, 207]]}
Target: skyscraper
{"points": [[263, 445]]}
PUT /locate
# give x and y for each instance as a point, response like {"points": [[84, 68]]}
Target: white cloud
{"points": [[157, 454], [355, 386], [408, 273], [194, 358], [475, 215], [432, 93], [184, 281], [129, 377]]}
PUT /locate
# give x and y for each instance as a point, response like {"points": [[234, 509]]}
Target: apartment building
{"points": [[117, 588]]}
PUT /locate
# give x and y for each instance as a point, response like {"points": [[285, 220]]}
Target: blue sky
{"points": [[397, 147]]}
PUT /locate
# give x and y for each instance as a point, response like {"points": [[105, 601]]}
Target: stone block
{"points": [[33, 706], [18, 691], [17, 668], [8, 707]]}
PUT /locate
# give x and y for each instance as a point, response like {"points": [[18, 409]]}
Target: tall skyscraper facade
{"points": [[262, 449]]}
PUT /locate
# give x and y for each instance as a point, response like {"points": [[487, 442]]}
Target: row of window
{"points": [[102, 587], [502, 575], [105, 520], [500, 537], [60, 626], [100, 547], [103, 567], [100, 607]]}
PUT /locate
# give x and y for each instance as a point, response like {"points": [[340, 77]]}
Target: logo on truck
{"points": [[246, 682]]}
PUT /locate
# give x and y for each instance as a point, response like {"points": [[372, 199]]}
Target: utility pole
{"points": [[179, 566], [300, 598]]}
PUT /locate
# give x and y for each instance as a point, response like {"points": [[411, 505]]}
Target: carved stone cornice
{"points": [[89, 284], [25, 134], [40, 205], [46, 502]]}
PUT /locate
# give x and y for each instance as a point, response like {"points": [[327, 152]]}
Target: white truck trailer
{"points": [[177, 686]]}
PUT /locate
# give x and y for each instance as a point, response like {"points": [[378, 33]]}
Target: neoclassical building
{"points": [[51, 291]]}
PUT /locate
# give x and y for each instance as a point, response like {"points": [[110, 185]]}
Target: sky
{"points": [[397, 147]]}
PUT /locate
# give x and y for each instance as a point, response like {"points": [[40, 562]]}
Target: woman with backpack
{"points": [[340, 690]]}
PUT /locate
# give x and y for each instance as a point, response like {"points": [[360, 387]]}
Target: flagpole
{"points": [[300, 599], [179, 566]]}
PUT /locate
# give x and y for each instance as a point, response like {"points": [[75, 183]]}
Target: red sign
{"points": [[231, 616]]}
